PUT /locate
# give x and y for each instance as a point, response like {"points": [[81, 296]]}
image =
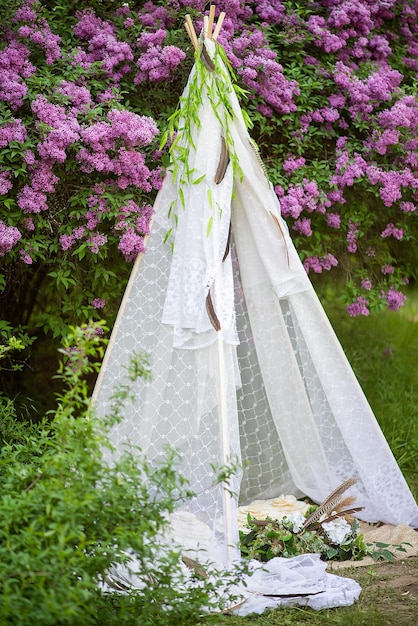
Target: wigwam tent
{"points": [[245, 365]]}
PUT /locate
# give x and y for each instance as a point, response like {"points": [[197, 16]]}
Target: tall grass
{"points": [[383, 351]]}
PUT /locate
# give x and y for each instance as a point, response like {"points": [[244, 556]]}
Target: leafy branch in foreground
{"points": [[69, 518]]}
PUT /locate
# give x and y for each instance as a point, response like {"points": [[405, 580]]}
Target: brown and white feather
{"points": [[329, 504]]}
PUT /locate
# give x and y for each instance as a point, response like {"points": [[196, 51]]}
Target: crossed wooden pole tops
{"points": [[208, 21]]}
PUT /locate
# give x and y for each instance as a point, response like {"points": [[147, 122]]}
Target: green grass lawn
{"points": [[383, 351]]}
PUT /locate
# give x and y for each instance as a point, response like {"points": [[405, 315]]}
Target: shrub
{"points": [[68, 516]]}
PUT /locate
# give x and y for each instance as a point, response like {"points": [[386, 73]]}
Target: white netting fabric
{"points": [[273, 386]]}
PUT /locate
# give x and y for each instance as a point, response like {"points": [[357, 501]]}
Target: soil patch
{"points": [[391, 587]]}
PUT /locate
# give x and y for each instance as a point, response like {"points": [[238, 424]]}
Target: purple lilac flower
{"points": [[156, 178], [9, 236], [270, 11], [301, 197], [152, 16], [78, 96], [157, 62], [25, 257], [387, 269], [96, 240], [353, 229], [133, 129], [334, 220], [270, 84], [373, 173], [365, 95], [113, 55], [31, 201], [41, 35], [14, 68], [359, 307], [29, 157], [395, 299], [348, 170], [408, 207], [42, 177], [366, 284], [12, 131], [131, 245], [25, 14], [98, 303], [303, 225], [63, 129], [28, 224], [5, 184], [292, 163], [318, 264], [66, 241], [392, 231]]}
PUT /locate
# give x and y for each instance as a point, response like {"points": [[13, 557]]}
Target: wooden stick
{"points": [[192, 33], [211, 19], [186, 26], [218, 25], [205, 26]]}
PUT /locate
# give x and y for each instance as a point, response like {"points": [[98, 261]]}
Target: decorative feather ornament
{"points": [[223, 162], [206, 60], [211, 313], [195, 566], [228, 244], [259, 159], [329, 505]]}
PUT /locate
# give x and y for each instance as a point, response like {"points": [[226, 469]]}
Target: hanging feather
{"points": [[228, 244], [211, 313], [206, 60], [259, 159], [195, 566], [279, 226], [223, 162], [329, 504]]}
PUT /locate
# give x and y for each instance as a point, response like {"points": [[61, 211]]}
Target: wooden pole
{"points": [[191, 32], [211, 19], [218, 26]]}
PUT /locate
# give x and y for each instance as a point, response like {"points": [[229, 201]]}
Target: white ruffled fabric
{"points": [[297, 581], [300, 580]]}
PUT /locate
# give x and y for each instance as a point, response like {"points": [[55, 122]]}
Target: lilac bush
{"points": [[85, 95]]}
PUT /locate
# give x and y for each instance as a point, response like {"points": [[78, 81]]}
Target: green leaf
{"points": [[209, 227]]}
